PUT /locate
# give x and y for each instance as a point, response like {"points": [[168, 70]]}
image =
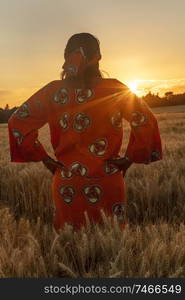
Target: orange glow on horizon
{"points": [[140, 87]]}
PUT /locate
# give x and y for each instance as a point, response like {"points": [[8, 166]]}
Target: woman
{"points": [[84, 113]]}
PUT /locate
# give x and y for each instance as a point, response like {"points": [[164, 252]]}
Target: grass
{"points": [[152, 244]]}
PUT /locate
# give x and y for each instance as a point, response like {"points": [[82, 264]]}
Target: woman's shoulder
{"points": [[113, 83], [52, 84], [55, 83]]}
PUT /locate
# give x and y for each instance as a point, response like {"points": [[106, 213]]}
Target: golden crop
{"points": [[152, 244]]}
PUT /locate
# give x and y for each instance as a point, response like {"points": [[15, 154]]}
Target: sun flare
{"points": [[133, 86]]}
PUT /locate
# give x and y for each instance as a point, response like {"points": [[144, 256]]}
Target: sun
{"points": [[133, 85]]}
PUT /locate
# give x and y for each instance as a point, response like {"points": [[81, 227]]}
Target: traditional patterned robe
{"points": [[86, 130]]}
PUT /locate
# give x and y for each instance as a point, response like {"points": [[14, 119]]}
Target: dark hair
{"points": [[91, 46]]}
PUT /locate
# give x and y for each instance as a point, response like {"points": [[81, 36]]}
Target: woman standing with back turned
{"points": [[84, 113]]}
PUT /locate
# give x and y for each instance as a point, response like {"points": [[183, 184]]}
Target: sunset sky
{"points": [[142, 42]]}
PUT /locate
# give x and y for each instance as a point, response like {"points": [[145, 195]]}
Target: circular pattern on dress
{"points": [[78, 169], [92, 193], [138, 119], [118, 210], [67, 192], [83, 95], [99, 147], [81, 122], [61, 96], [23, 111], [18, 135], [66, 173], [116, 120], [64, 121]]}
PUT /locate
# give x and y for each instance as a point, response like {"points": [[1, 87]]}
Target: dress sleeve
{"points": [[23, 127], [144, 144]]}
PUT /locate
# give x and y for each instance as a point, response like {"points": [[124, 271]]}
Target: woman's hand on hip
{"points": [[122, 163], [51, 164]]}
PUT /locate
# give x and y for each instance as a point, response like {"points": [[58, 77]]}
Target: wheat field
{"points": [[152, 244]]}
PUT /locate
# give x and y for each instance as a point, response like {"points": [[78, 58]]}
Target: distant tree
{"points": [[6, 107], [168, 95], [6, 113], [152, 100]]}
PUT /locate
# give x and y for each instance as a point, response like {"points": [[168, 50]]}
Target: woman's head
{"points": [[89, 43], [89, 47]]}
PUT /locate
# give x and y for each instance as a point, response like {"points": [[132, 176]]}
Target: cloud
{"points": [[161, 86], [5, 93]]}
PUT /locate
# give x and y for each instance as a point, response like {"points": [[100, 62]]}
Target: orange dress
{"points": [[86, 130]]}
